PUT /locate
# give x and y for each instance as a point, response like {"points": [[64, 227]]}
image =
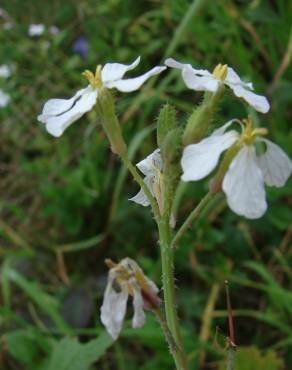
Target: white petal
{"points": [[4, 99], [170, 62], [258, 102], [275, 165], [132, 84], [199, 83], [200, 159], [36, 29], [54, 107], [243, 185], [141, 198], [5, 71], [113, 309], [221, 130], [233, 78], [116, 71], [57, 118], [146, 166], [139, 315]]}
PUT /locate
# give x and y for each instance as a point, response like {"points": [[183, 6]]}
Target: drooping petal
{"points": [[243, 185], [141, 198], [113, 309], [170, 62], [139, 315], [276, 166], [199, 83], [146, 166], [200, 159], [258, 102], [58, 114], [233, 78], [132, 84], [116, 71]]}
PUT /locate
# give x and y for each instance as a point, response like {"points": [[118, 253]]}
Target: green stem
{"points": [[190, 219], [141, 182], [169, 292], [167, 333]]}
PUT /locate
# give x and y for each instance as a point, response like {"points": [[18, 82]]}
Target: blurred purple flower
{"points": [[81, 46]]}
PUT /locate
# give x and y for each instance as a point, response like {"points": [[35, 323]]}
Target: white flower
{"points": [[203, 80], [124, 279], [151, 167], [244, 180], [58, 114], [5, 71], [4, 99], [36, 30]]}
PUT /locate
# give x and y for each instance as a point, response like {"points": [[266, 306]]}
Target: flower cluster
{"points": [[242, 172]]}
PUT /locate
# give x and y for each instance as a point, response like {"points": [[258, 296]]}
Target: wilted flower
{"points": [[81, 46], [124, 279], [36, 30], [152, 168], [4, 99], [244, 179], [203, 80], [5, 71], [58, 114]]}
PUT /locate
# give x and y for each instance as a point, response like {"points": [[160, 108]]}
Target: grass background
{"points": [[64, 207]]}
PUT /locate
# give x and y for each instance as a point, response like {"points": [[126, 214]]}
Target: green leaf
{"points": [[70, 354], [24, 345], [43, 300]]}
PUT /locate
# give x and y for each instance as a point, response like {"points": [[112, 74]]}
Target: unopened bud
{"points": [[165, 123]]}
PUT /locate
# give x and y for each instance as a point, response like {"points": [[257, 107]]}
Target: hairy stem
{"points": [[169, 292]]}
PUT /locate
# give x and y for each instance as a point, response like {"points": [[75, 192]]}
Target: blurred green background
{"points": [[64, 202]]}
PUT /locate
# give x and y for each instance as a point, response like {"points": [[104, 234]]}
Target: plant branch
{"points": [[190, 219]]}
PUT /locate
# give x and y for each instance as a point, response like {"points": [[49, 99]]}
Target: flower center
{"points": [[95, 80], [220, 72], [249, 133]]}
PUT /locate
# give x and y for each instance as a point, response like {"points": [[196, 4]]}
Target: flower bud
{"points": [[166, 122]]}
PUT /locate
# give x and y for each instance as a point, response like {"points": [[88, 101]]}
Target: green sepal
{"points": [[106, 111]]}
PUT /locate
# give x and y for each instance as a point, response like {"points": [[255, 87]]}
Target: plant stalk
{"points": [[167, 254]]}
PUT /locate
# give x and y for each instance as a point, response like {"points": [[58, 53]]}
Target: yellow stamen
{"points": [[249, 133], [94, 80], [220, 72], [110, 264]]}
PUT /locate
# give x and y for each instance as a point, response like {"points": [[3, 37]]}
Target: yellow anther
{"points": [[249, 133], [220, 71], [110, 264], [94, 80]]}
